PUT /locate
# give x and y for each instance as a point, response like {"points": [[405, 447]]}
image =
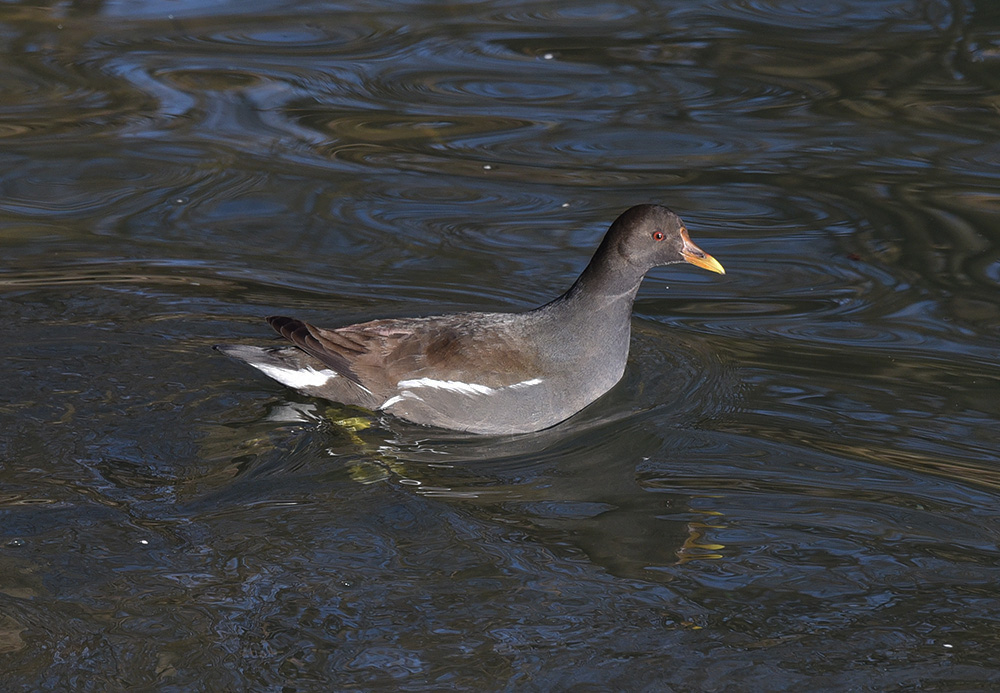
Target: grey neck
{"points": [[601, 295]]}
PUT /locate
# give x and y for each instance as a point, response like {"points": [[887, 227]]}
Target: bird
{"points": [[482, 372]]}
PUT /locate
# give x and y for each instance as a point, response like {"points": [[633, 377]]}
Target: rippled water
{"points": [[796, 486]]}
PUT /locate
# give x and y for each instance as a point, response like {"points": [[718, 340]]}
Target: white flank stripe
{"points": [[296, 378], [464, 388], [525, 383], [392, 400], [451, 385], [405, 394]]}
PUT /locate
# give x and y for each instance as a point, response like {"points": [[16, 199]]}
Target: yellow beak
{"points": [[698, 257]]}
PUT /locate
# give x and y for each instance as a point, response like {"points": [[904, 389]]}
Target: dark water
{"points": [[796, 486]]}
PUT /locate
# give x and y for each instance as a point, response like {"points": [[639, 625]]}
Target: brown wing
{"points": [[378, 354], [304, 336]]}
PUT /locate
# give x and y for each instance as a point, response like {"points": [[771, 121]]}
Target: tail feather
{"points": [[295, 368], [275, 357], [304, 336]]}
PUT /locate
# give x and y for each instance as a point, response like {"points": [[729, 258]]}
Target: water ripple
{"points": [[826, 22]]}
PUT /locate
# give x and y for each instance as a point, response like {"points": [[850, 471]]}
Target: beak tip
{"points": [[705, 261]]}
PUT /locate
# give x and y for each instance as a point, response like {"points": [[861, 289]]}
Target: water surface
{"points": [[795, 487]]}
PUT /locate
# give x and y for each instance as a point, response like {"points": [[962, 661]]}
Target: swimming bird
{"points": [[489, 373]]}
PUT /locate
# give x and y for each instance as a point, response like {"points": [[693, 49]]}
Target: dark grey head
{"points": [[647, 236], [642, 238]]}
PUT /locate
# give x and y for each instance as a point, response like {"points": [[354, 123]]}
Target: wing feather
{"points": [[304, 336], [376, 355]]}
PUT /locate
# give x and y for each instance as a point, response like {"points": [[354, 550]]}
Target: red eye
{"points": [[657, 235]]}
